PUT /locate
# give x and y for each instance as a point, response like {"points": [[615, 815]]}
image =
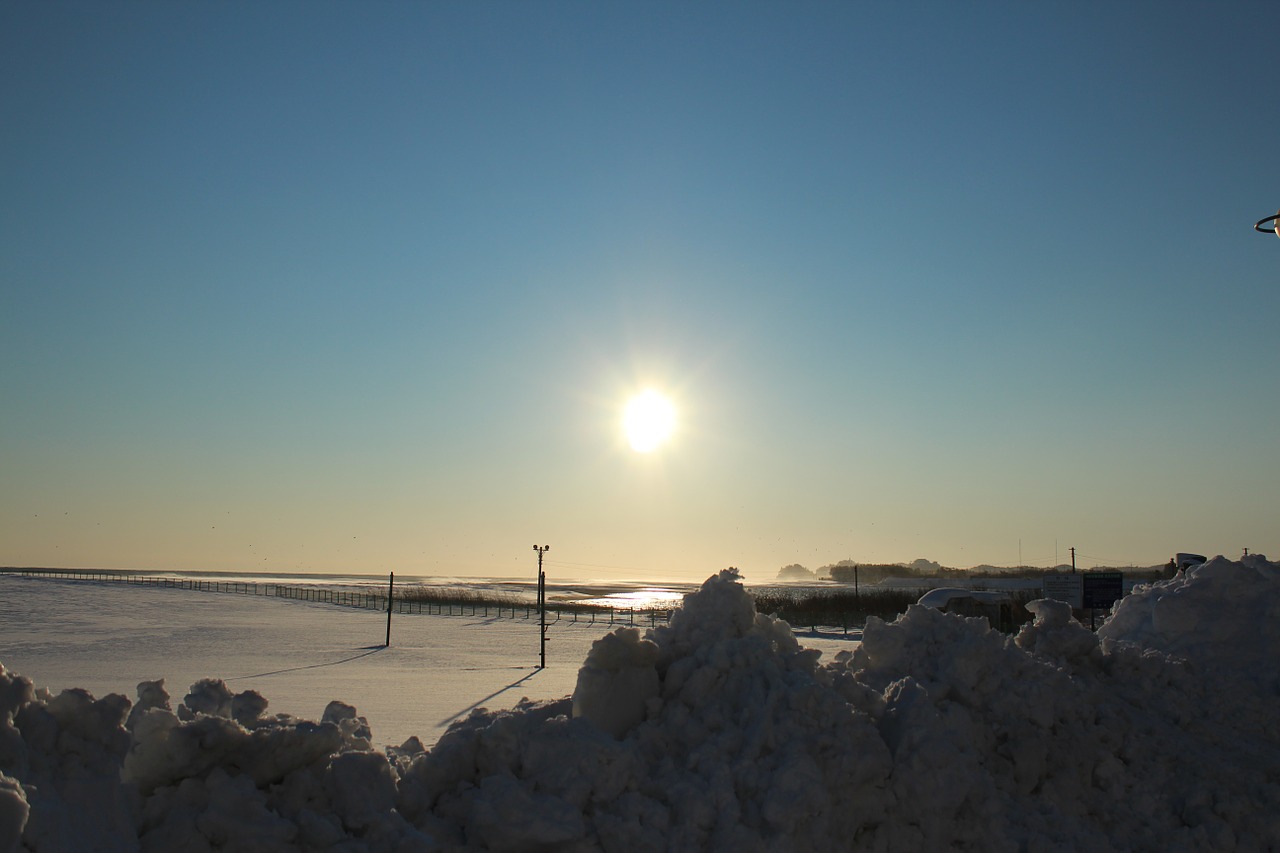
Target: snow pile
{"points": [[617, 681], [1221, 616], [741, 745], [79, 773], [718, 731]]}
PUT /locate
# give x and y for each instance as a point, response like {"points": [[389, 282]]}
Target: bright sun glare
{"points": [[649, 420]]}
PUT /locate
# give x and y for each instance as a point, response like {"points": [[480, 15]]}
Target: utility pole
{"points": [[542, 606], [1073, 559]]}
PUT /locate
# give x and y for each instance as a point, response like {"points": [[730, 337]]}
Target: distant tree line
{"points": [[846, 571], [843, 571]]}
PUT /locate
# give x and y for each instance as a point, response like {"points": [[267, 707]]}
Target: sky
{"points": [[345, 287]]}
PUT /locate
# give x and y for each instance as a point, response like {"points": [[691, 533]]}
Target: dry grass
{"points": [[837, 607]]}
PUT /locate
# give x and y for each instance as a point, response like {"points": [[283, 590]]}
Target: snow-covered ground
{"points": [[718, 731], [108, 637]]}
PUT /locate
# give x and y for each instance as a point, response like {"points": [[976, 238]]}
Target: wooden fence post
{"points": [[390, 598]]}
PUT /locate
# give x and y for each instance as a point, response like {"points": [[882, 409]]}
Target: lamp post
{"points": [[542, 607]]}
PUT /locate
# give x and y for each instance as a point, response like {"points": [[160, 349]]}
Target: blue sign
{"points": [[1102, 589]]}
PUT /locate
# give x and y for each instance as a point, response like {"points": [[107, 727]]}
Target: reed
{"points": [[837, 607], [459, 595]]}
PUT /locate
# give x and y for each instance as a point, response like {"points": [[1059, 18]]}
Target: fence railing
{"points": [[582, 614]]}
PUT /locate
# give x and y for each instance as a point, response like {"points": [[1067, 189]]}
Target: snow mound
{"points": [[617, 681], [1223, 617], [719, 732]]}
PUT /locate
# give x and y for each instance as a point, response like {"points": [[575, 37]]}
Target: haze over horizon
{"points": [[329, 287]]}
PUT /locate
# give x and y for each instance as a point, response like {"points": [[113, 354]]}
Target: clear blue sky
{"points": [[365, 286]]}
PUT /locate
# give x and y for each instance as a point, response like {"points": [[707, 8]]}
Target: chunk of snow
{"points": [[617, 681]]}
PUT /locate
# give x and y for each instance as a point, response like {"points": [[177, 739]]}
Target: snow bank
{"points": [[1221, 617], [718, 731]]}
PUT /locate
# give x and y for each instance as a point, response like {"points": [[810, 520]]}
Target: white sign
{"points": [[1068, 588]]}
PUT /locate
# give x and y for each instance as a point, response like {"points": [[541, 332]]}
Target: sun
{"points": [[649, 420]]}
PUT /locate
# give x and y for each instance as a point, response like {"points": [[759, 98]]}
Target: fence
{"points": [[579, 613]]}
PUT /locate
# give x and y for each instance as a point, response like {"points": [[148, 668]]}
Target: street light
{"points": [[542, 606]]}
